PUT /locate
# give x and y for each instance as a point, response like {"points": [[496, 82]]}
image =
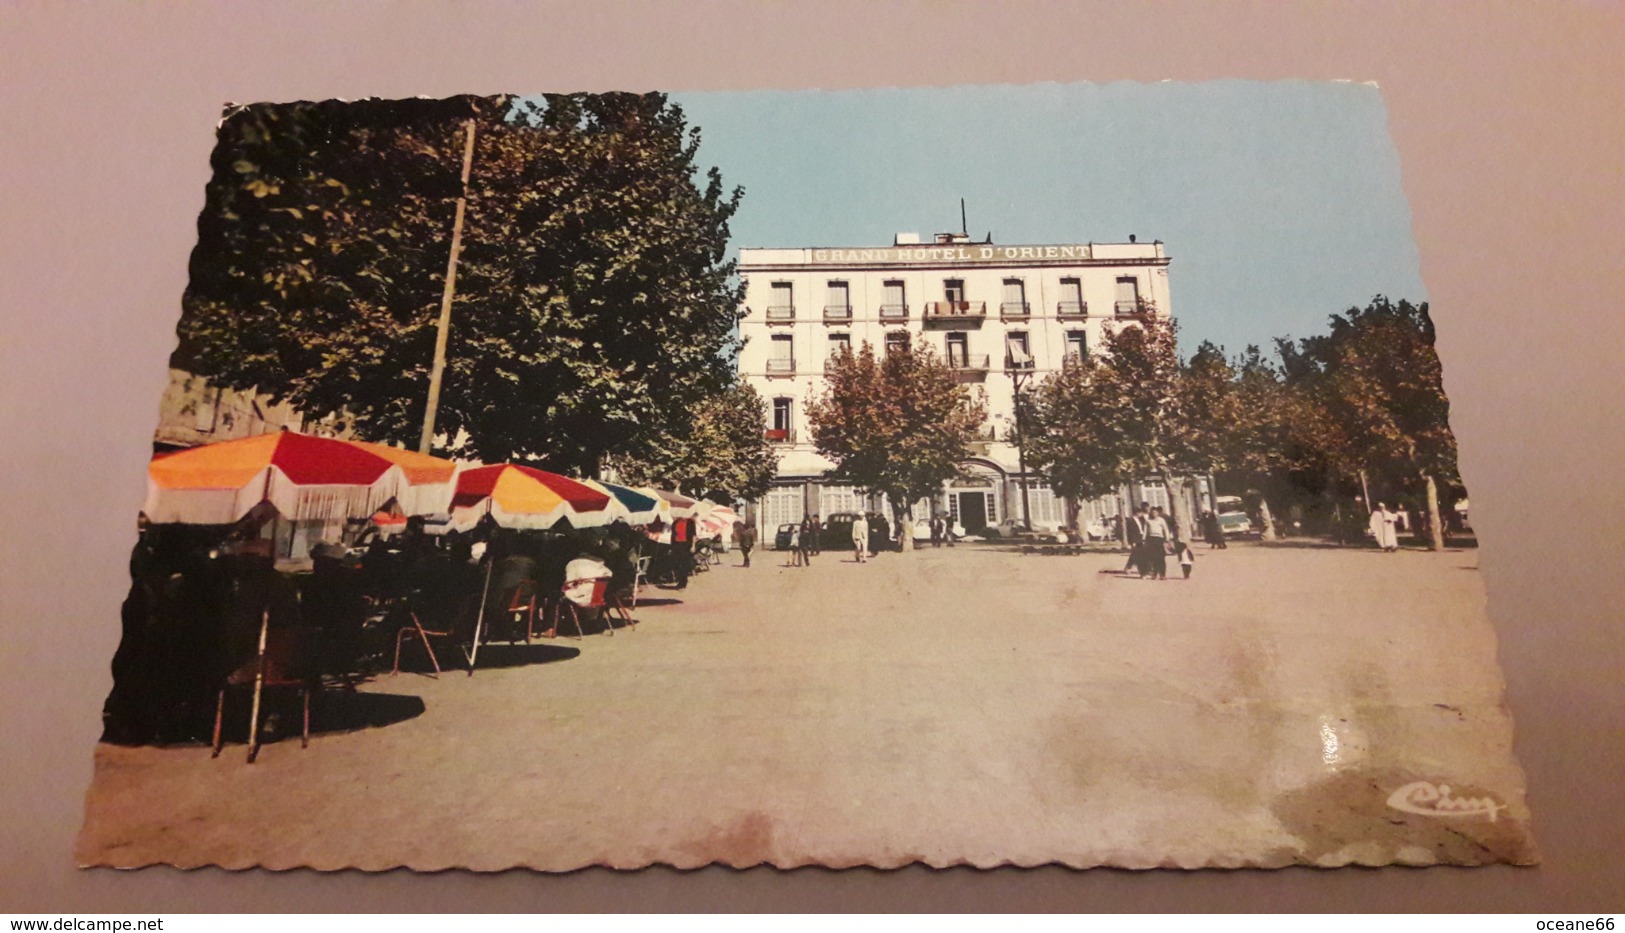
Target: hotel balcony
{"points": [[778, 313], [778, 367], [1026, 363], [780, 435], [1014, 311], [894, 312], [837, 312], [955, 312], [1072, 310], [1134, 310], [1073, 361], [971, 366]]}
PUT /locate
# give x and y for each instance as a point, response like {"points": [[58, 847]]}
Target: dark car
{"points": [[781, 539], [837, 532]]}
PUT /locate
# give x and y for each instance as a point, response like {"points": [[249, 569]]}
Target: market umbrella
{"points": [[524, 497], [633, 506], [681, 505], [428, 480], [718, 521], [302, 476]]}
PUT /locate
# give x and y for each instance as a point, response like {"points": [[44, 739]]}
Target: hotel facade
{"points": [[996, 314]]}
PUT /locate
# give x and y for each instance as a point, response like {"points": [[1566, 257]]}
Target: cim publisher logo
{"points": [[1428, 799]]}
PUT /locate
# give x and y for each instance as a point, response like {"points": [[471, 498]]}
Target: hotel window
{"points": [[783, 356], [782, 423], [896, 303], [839, 344], [1128, 295], [1018, 355], [837, 301], [953, 291], [1077, 347], [1071, 302], [958, 350], [782, 306], [897, 342], [1015, 298]]}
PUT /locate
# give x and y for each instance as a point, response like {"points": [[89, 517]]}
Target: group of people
{"points": [[1152, 538]]}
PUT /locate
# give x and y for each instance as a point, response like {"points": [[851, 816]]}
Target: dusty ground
{"points": [[945, 706]]}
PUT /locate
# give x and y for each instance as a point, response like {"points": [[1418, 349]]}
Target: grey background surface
{"points": [[1508, 120]]}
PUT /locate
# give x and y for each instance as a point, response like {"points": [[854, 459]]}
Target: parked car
{"points": [[836, 534], [1013, 527], [781, 539], [1234, 521]]}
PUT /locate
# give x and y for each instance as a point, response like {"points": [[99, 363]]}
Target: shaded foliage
{"points": [[896, 423], [594, 304]]}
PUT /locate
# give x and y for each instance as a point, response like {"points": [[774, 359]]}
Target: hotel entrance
{"points": [[973, 498], [970, 509]]}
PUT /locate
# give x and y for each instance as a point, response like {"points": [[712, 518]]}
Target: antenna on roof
{"points": [[963, 228]]}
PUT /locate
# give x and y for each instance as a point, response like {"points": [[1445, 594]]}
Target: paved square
{"points": [[949, 706]]}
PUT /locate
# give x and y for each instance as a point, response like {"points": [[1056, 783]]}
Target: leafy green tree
{"points": [[1125, 414], [897, 423], [722, 451], [594, 303], [1376, 376]]}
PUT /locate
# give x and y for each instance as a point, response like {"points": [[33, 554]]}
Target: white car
{"points": [[1014, 527]]}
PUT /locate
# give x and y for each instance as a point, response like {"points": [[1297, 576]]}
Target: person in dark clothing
{"points": [[817, 535], [1211, 532], [936, 531], [745, 537], [682, 550], [1136, 542], [809, 539]]}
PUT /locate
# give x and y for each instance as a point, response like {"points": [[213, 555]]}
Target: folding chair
{"points": [[640, 579], [417, 630], [279, 666], [608, 605], [523, 603]]}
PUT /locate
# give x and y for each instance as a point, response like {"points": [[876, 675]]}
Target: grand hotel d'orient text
{"points": [[990, 311]]}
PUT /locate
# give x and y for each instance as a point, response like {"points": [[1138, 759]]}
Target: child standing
{"points": [[795, 546], [1187, 558]]}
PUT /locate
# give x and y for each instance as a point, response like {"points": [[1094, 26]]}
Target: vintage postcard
{"points": [[965, 476]]}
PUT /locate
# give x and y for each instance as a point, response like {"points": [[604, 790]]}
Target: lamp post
{"points": [[1019, 373]]}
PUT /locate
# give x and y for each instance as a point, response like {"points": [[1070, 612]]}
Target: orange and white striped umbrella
{"points": [[524, 497]]}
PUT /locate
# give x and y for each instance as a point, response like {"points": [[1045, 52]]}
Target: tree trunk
{"points": [[1435, 520], [1178, 506], [904, 520], [1267, 519]]}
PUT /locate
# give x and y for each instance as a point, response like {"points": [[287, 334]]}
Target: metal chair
{"points": [[601, 599]]}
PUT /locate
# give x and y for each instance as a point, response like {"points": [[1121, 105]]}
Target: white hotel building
{"points": [[990, 311]]}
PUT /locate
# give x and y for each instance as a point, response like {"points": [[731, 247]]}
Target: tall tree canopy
{"points": [[722, 451], [1376, 376], [896, 423], [594, 304], [1126, 414]]}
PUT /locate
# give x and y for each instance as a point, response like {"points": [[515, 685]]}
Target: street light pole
{"points": [[438, 370], [1016, 379]]}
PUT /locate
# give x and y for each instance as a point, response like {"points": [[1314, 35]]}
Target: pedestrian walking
{"points": [[936, 531], [1212, 532], [1187, 558], [809, 539], [1136, 542], [745, 537], [1384, 527], [682, 550], [817, 542], [795, 546], [1154, 559], [860, 537]]}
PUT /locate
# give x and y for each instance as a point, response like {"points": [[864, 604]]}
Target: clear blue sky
{"points": [[1279, 202]]}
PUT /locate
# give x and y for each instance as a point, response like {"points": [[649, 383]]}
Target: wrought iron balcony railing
{"points": [[781, 312], [956, 310], [837, 312], [969, 363], [1134, 309], [780, 367], [1072, 310], [1014, 311], [894, 312]]}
